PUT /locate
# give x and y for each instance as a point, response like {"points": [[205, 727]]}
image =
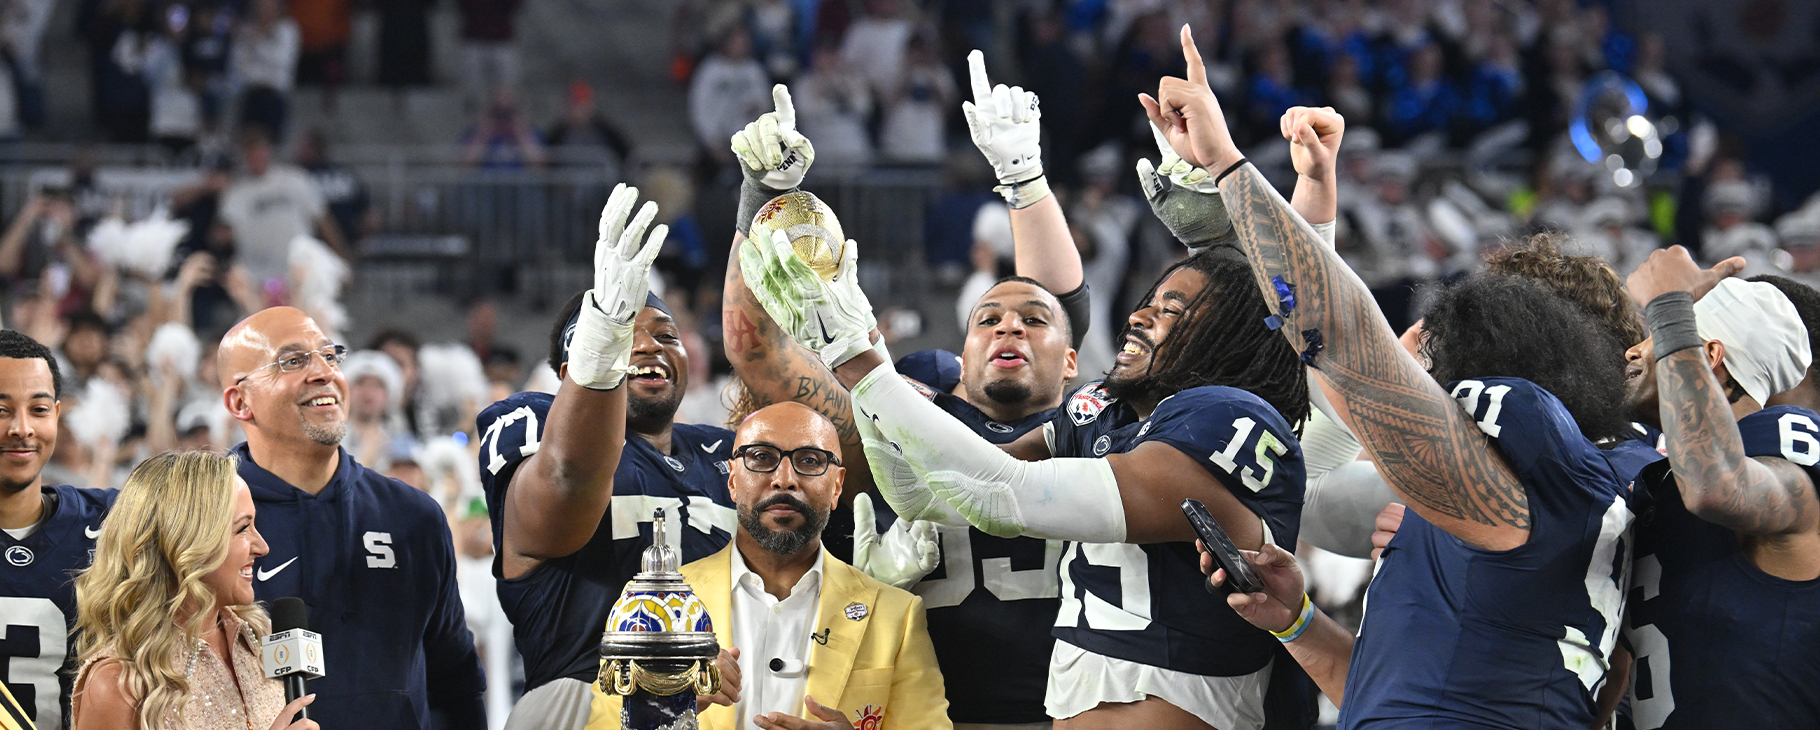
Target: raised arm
{"points": [[1719, 483], [774, 157], [1429, 451], [1003, 123], [558, 495]]}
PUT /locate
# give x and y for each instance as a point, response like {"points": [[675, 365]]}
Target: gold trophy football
{"points": [[814, 232]]}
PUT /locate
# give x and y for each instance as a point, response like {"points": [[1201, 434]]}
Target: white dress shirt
{"points": [[765, 628]]}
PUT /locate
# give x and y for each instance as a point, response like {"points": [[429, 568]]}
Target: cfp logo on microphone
{"points": [[293, 652]]}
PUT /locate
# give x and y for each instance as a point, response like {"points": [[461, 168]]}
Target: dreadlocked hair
{"points": [[1221, 339]]}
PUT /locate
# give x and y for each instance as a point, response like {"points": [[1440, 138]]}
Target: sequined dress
{"points": [[216, 701]]}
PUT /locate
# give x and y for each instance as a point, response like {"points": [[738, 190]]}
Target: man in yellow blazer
{"points": [[814, 643]]}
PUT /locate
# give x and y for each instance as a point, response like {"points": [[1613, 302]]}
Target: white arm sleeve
{"points": [[899, 484], [1340, 508], [1326, 232], [1054, 499]]}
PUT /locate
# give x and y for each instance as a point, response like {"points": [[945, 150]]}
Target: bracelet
{"points": [[1301, 623], [1229, 170], [1671, 323]]}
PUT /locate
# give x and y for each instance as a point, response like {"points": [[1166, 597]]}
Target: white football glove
{"points": [[897, 481], [770, 150], [601, 352], [1184, 197], [831, 319], [1003, 123], [902, 556]]}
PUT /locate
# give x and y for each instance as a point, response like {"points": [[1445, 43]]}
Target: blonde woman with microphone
{"points": [[168, 627]]}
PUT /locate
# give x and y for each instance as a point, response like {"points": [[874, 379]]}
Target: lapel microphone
{"points": [[822, 638]]}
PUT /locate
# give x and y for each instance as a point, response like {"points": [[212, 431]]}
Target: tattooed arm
{"points": [[774, 370], [1430, 452], [1718, 482]]}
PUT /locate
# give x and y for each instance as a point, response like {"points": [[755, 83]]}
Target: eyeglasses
{"points": [[292, 362], [808, 461]]}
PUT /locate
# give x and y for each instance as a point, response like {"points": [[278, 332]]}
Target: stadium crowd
{"points": [[1458, 184]]}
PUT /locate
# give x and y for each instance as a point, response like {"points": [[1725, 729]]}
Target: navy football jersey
{"points": [[991, 602], [1146, 603], [38, 601], [1718, 642], [1455, 635], [558, 608]]}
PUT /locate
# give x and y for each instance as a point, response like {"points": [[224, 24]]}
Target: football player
{"points": [[572, 480], [1725, 611], [47, 533]]}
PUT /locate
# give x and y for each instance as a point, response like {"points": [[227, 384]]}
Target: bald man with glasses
{"points": [[370, 555], [818, 644]]}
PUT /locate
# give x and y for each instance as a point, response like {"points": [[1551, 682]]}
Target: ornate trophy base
{"points": [[645, 711]]}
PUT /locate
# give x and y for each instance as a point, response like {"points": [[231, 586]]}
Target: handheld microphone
{"points": [[292, 653]]}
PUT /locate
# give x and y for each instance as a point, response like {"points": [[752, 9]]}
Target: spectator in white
{"points": [[264, 58], [1389, 231], [375, 394], [729, 90], [1103, 221], [993, 248], [774, 36], [176, 104], [269, 206], [1731, 230], [875, 45], [1609, 232], [1799, 233], [1567, 188], [833, 103], [918, 106], [488, 57]]}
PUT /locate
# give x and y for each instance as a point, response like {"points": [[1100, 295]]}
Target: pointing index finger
{"points": [[976, 71], [786, 111], [1197, 72]]}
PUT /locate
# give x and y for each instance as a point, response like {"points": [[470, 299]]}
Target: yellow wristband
{"points": [[1302, 621]]}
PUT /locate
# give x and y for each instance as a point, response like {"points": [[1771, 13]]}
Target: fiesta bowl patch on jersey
{"points": [[1087, 403]]}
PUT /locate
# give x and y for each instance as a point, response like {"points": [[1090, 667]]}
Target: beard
{"points": [[660, 408], [1007, 392], [327, 434], [782, 542]]}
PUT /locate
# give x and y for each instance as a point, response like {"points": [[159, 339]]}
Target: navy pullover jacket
{"points": [[373, 559]]}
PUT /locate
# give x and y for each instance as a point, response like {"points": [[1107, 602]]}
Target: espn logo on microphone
{"points": [[297, 651]]}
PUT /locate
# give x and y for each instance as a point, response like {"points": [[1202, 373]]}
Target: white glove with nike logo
{"points": [[773, 156], [1003, 124], [601, 351], [831, 319], [902, 556]]}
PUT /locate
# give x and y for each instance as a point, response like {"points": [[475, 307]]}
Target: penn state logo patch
{"points": [[20, 556], [1102, 445], [673, 462], [1085, 405], [996, 427]]}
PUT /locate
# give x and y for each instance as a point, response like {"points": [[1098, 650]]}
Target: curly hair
{"points": [[138, 601], [1584, 280], [17, 345], [1221, 339], [1492, 325]]}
